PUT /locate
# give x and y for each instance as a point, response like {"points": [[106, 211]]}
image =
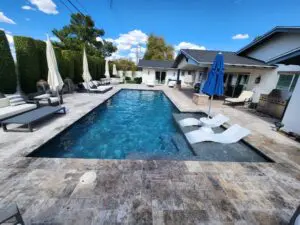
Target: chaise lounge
{"points": [[92, 87], [245, 96], [232, 135], [28, 118], [14, 105]]}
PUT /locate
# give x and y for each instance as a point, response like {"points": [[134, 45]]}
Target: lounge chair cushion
{"points": [[16, 100], [9, 111], [4, 102], [42, 96]]}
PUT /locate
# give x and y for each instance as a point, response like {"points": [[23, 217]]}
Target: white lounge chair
{"points": [[245, 96], [172, 83], [232, 135], [216, 121], [94, 89], [150, 83]]}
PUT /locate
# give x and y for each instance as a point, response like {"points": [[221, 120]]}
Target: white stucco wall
{"points": [[148, 74], [291, 119], [279, 44], [269, 79]]}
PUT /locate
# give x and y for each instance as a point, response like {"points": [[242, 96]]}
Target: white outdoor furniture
{"points": [[7, 110], [100, 89], [47, 99], [172, 83], [150, 83], [216, 121], [232, 135], [245, 96]]}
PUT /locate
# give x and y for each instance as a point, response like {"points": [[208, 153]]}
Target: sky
{"points": [[226, 25]]}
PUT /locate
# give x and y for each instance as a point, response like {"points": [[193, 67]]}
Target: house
{"points": [[259, 66], [160, 71], [271, 61]]}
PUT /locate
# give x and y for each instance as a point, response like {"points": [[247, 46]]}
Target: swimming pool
{"points": [[136, 124], [131, 125]]}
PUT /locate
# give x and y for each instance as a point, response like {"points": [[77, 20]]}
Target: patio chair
{"points": [[13, 105], [150, 83], [11, 212], [295, 220], [216, 121], [232, 135], [245, 96]]}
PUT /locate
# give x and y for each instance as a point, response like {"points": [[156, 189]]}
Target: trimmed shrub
{"points": [[28, 63], [41, 50], [67, 65], [8, 78], [78, 70], [138, 80]]}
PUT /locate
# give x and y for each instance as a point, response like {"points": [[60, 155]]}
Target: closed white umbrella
{"points": [[86, 76], [115, 72], [54, 79], [107, 69]]}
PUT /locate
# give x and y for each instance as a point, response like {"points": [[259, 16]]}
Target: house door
{"points": [[160, 77], [234, 84]]}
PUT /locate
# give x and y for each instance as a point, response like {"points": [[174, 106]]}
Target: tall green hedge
{"points": [[41, 50], [28, 63], [68, 67], [8, 78]]}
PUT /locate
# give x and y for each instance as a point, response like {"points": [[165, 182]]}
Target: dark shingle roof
{"points": [[155, 63], [230, 58]]}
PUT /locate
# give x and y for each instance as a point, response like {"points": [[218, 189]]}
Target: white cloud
{"points": [[27, 7], [240, 36], [46, 6], [128, 43], [188, 45], [5, 19]]}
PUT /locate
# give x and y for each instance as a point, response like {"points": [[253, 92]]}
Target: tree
{"points": [[80, 31], [8, 78], [158, 49], [125, 65]]}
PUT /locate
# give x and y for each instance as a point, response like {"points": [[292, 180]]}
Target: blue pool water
{"points": [[131, 125]]}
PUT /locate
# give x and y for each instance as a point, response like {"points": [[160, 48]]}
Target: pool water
{"points": [[131, 125]]}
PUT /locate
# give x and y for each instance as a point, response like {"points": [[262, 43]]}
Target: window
{"points": [[287, 82]]}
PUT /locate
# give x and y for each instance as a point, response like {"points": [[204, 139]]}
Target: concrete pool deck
{"points": [[49, 191]]}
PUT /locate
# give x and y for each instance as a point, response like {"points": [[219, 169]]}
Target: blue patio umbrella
{"points": [[215, 81]]}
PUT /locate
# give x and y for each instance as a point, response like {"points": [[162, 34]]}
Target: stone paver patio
{"points": [[49, 191]]}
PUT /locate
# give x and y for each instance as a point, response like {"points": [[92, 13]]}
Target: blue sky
{"points": [[183, 23]]}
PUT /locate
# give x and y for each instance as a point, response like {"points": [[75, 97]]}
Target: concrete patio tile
{"points": [[49, 191], [193, 166]]}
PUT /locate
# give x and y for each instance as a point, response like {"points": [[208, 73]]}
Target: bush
{"points": [[41, 51], [28, 63], [78, 70], [8, 78], [127, 78], [138, 80], [68, 67]]}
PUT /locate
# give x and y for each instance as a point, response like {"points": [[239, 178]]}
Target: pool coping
{"points": [[265, 151]]}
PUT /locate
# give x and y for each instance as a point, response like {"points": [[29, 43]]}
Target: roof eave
{"points": [[266, 35]]}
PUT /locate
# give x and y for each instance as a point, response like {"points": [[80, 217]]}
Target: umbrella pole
{"points": [[209, 108], [57, 90]]}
